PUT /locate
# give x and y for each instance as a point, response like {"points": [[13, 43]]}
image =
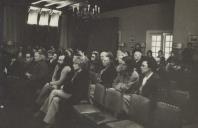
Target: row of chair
{"points": [[108, 105]]}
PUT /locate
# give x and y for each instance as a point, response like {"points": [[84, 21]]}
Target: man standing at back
{"points": [[39, 71], [36, 77]]}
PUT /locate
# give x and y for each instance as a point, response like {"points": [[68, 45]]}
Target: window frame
{"points": [[149, 45]]}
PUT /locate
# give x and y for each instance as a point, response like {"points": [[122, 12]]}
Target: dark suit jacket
{"points": [[2, 67], [138, 66], [15, 69], [78, 87], [39, 73], [108, 76], [151, 87]]}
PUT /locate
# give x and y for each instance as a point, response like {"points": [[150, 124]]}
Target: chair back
{"points": [[167, 116], [139, 108], [179, 98], [99, 94], [113, 101]]}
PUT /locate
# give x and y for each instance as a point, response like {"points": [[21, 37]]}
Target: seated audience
{"points": [[14, 68], [71, 93], [171, 57], [102, 55], [149, 83], [187, 54], [39, 70], [95, 66], [2, 78], [126, 81], [34, 79], [150, 56], [137, 47], [173, 70], [120, 54], [108, 73], [52, 61], [69, 81], [28, 63], [86, 60], [193, 88], [161, 62], [62, 73], [138, 61]]}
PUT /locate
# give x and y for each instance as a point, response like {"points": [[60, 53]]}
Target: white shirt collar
{"points": [[147, 77]]}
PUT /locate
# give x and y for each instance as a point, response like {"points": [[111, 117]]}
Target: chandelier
{"points": [[81, 8], [86, 10]]}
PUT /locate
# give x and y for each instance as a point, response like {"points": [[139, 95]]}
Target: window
{"points": [[156, 44], [168, 45], [161, 41]]}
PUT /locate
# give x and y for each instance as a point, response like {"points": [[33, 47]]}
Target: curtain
{"points": [[103, 35], [64, 32], [1, 24], [13, 24]]}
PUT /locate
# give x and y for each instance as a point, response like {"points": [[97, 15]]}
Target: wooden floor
{"points": [[15, 116]]}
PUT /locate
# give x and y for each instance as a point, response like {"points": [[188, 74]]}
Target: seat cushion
{"points": [[167, 116], [124, 124], [99, 117], [113, 101], [139, 108], [85, 108], [179, 98]]}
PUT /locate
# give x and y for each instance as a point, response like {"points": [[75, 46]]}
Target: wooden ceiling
{"points": [[106, 5]]}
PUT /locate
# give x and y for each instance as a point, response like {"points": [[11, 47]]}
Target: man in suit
{"points": [[35, 78], [149, 86], [28, 63], [38, 73], [150, 80], [108, 73], [138, 61], [2, 78]]}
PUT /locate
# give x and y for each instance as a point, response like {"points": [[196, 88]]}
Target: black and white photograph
{"points": [[98, 63]]}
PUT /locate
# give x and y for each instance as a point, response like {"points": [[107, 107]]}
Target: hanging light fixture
{"points": [[54, 20], [86, 10], [33, 14], [46, 16]]}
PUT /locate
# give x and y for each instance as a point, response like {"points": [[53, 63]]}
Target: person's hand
{"points": [[54, 87], [123, 87], [48, 85], [55, 93], [28, 75], [6, 71]]}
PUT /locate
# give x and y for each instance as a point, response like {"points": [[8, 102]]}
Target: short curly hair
{"points": [[80, 61]]}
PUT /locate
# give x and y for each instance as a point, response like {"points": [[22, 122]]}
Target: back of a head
{"points": [[129, 62]]}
